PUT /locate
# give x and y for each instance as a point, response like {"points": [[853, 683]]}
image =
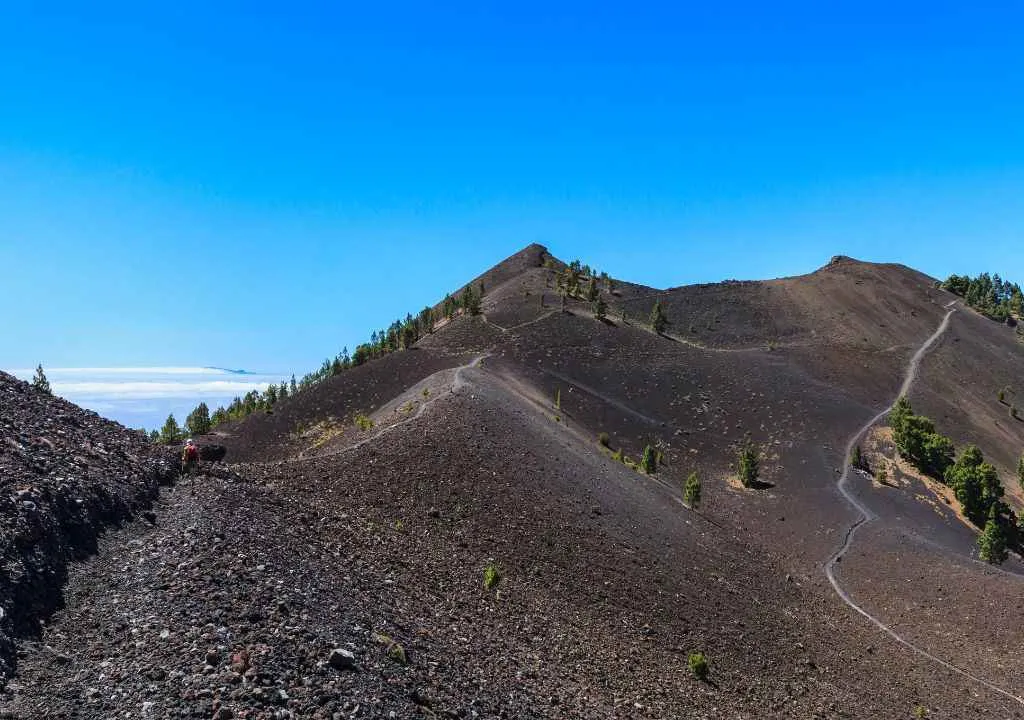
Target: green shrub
{"points": [[698, 665], [363, 422], [617, 455], [492, 576], [603, 439]]}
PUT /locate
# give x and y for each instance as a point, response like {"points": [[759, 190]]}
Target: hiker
{"points": [[189, 457]]}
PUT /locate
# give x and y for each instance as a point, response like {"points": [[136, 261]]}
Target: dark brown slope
{"points": [[608, 584], [609, 581]]}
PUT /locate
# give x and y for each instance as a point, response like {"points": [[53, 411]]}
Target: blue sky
{"points": [[257, 185]]}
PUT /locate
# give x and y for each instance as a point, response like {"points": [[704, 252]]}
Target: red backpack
{"points": [[191, 453]]}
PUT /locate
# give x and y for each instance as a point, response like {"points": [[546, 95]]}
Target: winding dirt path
{"points": [[866, 516], [457, 384]]}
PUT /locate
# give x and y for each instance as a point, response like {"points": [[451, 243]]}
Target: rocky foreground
{"points": [[66, 474]]}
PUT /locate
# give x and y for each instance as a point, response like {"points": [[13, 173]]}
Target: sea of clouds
{"points": [[144, 396]]}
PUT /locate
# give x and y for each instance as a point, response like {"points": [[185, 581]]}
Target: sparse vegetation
{"points": [[558, 398], [362, 422], [691, 490], [603, 439], [749, 466], [492, 576], [1020, 471], [1001, 395], [920, 713], [658, 321], [426, 393], [881, 475], [698, 665], [39, 381], [600, 308]]}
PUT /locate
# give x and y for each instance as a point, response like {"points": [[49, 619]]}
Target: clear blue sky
{"points": [[256, 185]]}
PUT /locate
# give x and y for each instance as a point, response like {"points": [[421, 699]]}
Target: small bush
{"points": [[426, 393], [393, 650], [749, 466], [1002, 396], [920, 713], [698, 665], [558, 398], [691, 491], [492, 576], [363, 422], [881, 475], [617, 455], [603, 439]]}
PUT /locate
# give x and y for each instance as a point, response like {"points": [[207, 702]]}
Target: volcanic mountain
{"points": [[460, 528]]}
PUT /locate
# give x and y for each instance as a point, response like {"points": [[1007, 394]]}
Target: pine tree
{"points": [[39, 381], [992, 541], [901, 410], [427, 320], [471, 301], [198, 421], [691, 491], [600, 308], [658, 320], [649, 461], [749, 466], [293, 387], [592, 291], [170, 433], [154, 436], [856, 458]]}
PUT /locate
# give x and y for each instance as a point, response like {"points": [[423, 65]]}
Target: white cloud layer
{"points": [[144, 396]]}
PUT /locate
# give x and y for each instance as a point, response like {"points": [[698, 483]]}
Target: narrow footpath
{"points": [[867, 515]]}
